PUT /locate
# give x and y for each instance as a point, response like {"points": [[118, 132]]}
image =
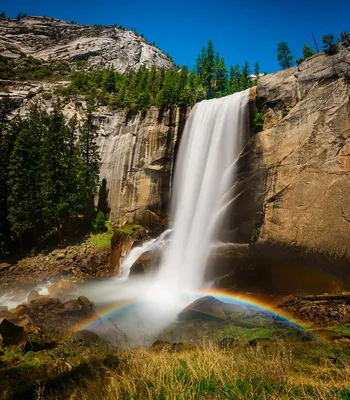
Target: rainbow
{"points": [[240, 299]]}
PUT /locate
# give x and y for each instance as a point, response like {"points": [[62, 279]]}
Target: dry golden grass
{"points": [[210, 373]]}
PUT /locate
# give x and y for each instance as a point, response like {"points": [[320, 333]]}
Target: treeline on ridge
{"points": [[139, 90]]}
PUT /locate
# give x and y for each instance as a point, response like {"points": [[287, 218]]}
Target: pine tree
{"points": [[56, 177], [330, 47], [24, 183], [235, 78], [8, 134], [88, 177], [209, 68], [307, 51], [221, 77], [256, 72], [284, 55], [109, 81], [245, 76]]}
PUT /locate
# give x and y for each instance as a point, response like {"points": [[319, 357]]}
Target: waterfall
{"points": [[211, 143], [212, 140]]}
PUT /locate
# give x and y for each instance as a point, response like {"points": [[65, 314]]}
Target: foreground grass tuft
{"points": [[209, 373]]}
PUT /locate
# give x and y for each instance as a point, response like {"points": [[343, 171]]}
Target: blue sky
{"points": [[241, 30]]}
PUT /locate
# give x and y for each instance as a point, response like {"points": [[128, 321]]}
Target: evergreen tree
{"points": [[330, 46], [8, 134], [221, 77], [245, 76], [284, 55], [109, 81], [256, 72], [88, 177], [307, 51], [208, 68], [24, 183]]}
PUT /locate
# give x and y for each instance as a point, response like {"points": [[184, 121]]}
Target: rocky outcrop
{"points": [[298, 180], [97, 46]]}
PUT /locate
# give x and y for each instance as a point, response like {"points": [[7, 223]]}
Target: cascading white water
{"points": [[212, 140], [136, 252]]}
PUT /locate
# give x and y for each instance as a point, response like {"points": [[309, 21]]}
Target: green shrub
{"points": [[259, 122], [99, 224]]}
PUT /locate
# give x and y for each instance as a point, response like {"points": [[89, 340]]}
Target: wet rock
{"points": [[207, 307], [25, 321], [36, 346], [161, 344], [85, 302], [85, 336], [60, 256], [12, 335], [72, 305], [33, 295], [61, 287], [21, 310], [4, 267]]}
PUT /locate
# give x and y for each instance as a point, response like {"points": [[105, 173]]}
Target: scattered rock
{"points": [[35, 346], [60, 256]]}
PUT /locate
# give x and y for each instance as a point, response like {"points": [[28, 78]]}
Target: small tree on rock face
{"points": [[284, 55], [307, 51], [330, 46], [345, 38]]}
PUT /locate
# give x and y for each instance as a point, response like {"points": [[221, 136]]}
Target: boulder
{"points": [[207, 307], [4, 267], [12, 335], [85, 302], [85, 336], [73, 305]]}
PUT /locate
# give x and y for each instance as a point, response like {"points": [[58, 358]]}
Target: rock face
{"points": [[298, 180], [49, 38], [136, 162]]}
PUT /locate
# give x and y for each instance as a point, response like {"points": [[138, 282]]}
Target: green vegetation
{"points": [[129, 229], [330, 46], [103, 240], [259, 121], [136, 91], [307, 52], [99, 224], [48, 175], [271, 370], [29, 68], [284, 55]]}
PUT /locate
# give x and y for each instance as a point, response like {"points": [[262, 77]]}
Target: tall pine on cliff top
{"points": [[284, 55]]}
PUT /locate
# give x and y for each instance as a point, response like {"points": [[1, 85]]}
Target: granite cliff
{"points": [[296, 172], [48, 39]]}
